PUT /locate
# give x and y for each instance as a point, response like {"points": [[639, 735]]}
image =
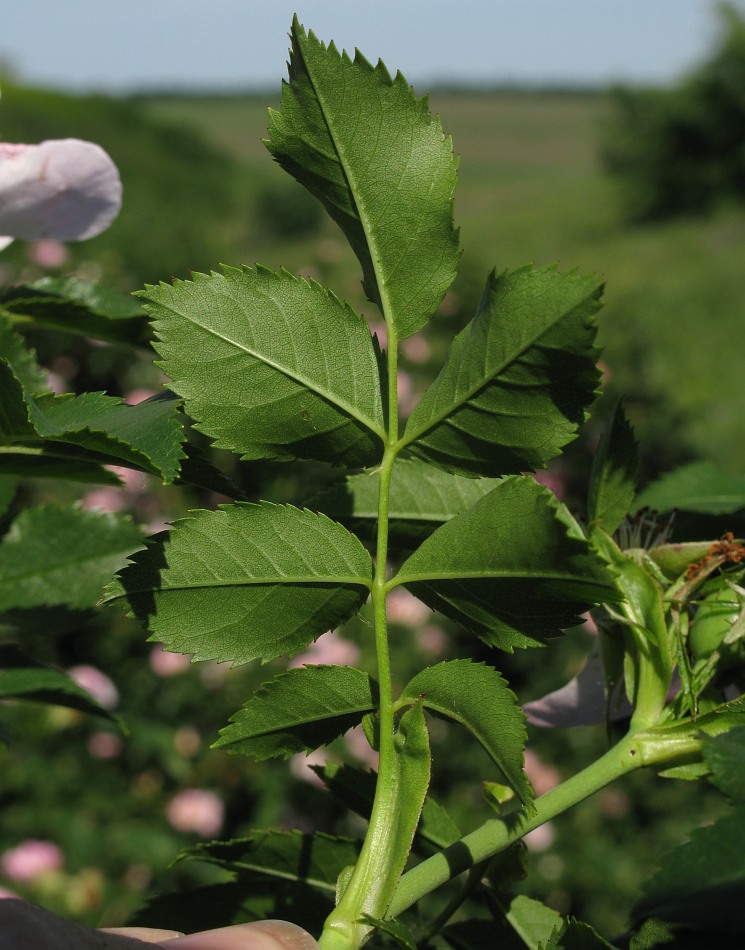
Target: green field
{"points": [[532, 189]]}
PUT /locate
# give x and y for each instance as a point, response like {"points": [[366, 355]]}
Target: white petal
{"points": [[581, 702], [64, 189]]}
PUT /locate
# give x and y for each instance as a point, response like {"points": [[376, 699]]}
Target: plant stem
{"points": [[370, 885], [632, 752]]}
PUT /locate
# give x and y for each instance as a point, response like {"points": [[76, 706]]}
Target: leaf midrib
{"points": [[362, 215], [471, 575], [350, 409], [435, 420], [269, 871], [339, 580], [289, 726]]}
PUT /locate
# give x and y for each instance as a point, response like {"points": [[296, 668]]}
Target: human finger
{"points": [[259, 935]]}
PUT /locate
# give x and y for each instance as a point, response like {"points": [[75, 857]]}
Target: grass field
{"points": [[532, 189]]}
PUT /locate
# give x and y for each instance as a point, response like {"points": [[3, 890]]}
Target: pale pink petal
{"points": [[196, 810], [98, 684], [30, 859], [64, 189], [581, 702], [48, 253], [331, 650]]}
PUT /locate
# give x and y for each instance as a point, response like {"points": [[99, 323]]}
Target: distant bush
{"points": [[682, 150]]}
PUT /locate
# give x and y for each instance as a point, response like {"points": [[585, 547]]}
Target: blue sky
{"points": [[124, 45]]}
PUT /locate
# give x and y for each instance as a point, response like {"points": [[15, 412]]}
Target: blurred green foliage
{"points": [[195, 185], [682, 150]]}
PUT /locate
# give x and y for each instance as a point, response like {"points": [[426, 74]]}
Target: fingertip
{"points": [[258, 935]]}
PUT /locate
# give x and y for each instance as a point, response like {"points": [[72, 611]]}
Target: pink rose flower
{"points": [[96, 683], [163, 663], [61, 190], [49, 254], [196, 810], [406, 609], [30, 859], [330, 649]]}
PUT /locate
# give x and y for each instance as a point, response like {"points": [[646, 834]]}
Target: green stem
{"points": [[632, 752], [369, 887]]}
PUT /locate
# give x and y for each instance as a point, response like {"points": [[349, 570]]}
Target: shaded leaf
{"points": [[418, 493], [246, 582], [221, 905], [513, 569], [698, 486], [146, 436], [531, 920], [8, 488], [251, 353], [371, 153], [54, 460], [517, 380], [314, 859], [22, 677], [615, 469], [481, 934], [702, 880], [300, 710], [477, 697], [77, 306], [576, 935], [62, 555], [14, 412], [725, 757], [196, 469], [394, 930], [662, 935], [13, 349]]}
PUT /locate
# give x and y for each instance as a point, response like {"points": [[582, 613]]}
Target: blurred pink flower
{"points": [[96, 683], [356, 741], [540, 838], [300, 766], [329, 649], [406, 609], [163, 663], [5, 894], [48, 253], [64, 189], [61, 371], [541, 776], [380, 330], [407, 397], [135, 396], [416, 349], [432, 640], [553, 480], [104, 499], [196, 810], [105, 745], [133, 481], [30, 859]]}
